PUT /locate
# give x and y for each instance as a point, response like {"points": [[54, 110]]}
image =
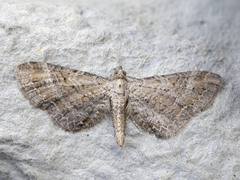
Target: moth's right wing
{"points": [[162, 105], [74, 99]]}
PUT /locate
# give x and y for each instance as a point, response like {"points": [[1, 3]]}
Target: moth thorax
{"points": [[120, 86]]}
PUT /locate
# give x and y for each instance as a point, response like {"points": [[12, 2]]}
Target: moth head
{"points": [[119, 72]]}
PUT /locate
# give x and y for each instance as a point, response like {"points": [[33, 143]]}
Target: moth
{"points": [[76, 100]]}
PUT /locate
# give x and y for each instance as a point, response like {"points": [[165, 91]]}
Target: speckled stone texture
{"points": [[146, 38]]}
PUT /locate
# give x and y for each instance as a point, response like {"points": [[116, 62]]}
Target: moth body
{"points": [[118, 101]]}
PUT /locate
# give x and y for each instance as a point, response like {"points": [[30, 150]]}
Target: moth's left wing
{"points": [[74, 99], [162, 105]]}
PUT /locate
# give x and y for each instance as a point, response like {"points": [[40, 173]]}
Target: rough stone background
{"points": [[147, 38]]}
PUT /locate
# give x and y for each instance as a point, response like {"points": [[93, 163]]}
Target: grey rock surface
{"points": [[146, 38]]}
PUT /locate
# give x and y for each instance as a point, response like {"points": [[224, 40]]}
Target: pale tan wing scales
{"points": [[162, 105], [74, 99]]}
